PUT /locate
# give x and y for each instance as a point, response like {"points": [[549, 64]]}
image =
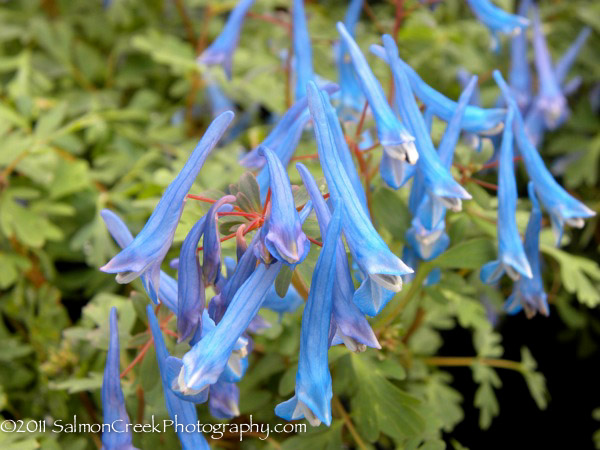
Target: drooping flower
{"points": [[520, 75], [223, 400], [497, 20], [286, 304], [528, 293], [438, 180], [167, 292], [352, 99], [551, 99], [118, 435], [206, 361], [484, 121], [282, 231], [564, 64], [219, 103], [511, 254], [393, 136], [302, 49], [312, 399], [182, 411], [382, 269], [562, 207], [147, 251], [211, 253], [220, 52], [281, 131], [354, 330]]}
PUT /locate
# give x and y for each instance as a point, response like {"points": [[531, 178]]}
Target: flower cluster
{"points": [[345, 289]]}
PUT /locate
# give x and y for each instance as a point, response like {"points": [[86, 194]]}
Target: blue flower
{"points": [[118, 436], [282, 232], [438, 180], [353, 329], [206, 361], [211, 253], [281, 131], [551, 99], [562, 207], [528, 293], [147, 251], [223, 400], [382, 269], [167, 292], [393, 136], [511, 254], [222, 48], [302, 49], [497, 20], [352, 100], [476, 120], [219, 102], [564, 64], [182, 411], [520, 75], [287, 304], [312, 399]]}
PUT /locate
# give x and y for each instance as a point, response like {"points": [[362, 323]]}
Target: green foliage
{"points": [[99, 108]]}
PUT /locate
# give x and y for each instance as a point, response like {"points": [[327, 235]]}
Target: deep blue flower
{"points": [[281, 131], [551, 99], [287, 304], [382, 269], [302, 49], [520, 74], [182, 411], [353, 328], [208, 358], [393, 136], [167, 292], [564, 64], [118, 436], [312, 399], [221, 50], [511, 254], [484, 121], [282, 231], [147, 251], [562, 207], [211, 253], [223, 400], [528, 293], [438, 180], [497, 20]]}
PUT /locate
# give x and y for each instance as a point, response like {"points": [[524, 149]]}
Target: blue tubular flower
{"points": [[302, 49], [113, 402], [219, 103], [211, 253], [551, 99], [206, 361], [288, 304], [252, 159], [147, 251], [284, 151], [497, 20], [381, 267], [282, 232], [566, 61], [354, 330], [190, 287], [312, 399], [484, 121], [223, 400], [167, 292], [182, 411], [511, 254], [394, 137], [438, 179], [520, 75], [222, 48], [352, 99], [528, 293], [561, 206]]}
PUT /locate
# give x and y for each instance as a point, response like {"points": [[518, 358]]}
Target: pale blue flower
{"points": [[520, 74], [302, 49], [497, 20]]}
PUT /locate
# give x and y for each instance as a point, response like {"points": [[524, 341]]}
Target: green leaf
{"points": [[249, 187], [322, 438], [283, 280], [471, 254], [536, 382]]}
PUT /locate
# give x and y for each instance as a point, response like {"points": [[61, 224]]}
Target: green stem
{"points": [[348, 422], [457, 361]]}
